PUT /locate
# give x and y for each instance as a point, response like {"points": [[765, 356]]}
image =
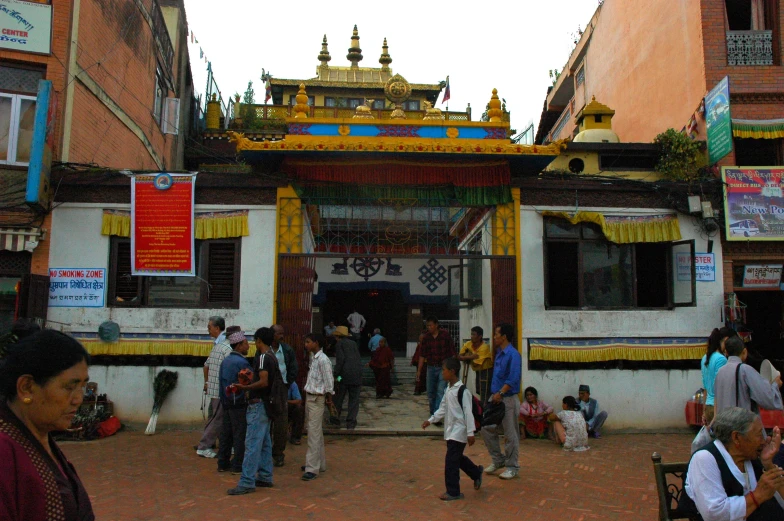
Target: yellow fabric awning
{"points": [[605, 350], [628, 229], [210, 225], [151, 347], [758, 129]]}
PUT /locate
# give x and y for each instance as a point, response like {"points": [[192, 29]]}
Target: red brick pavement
{"points": [[135, 477]]}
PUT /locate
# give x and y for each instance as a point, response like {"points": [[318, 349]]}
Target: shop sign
{"points": [[705, 267], [77, 287], [754, 204], [162, 227], [762, 276], [26, 26], [719, 123]]}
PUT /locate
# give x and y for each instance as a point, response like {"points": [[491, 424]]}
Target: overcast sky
{"points": [[508, 45]]}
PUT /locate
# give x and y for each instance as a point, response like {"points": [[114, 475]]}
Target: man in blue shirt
{"points": [[296, 414], [374, 340], [234, 403], [505, 387]]}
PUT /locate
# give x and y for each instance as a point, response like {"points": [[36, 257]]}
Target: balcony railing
{"points": [[750, 47]]}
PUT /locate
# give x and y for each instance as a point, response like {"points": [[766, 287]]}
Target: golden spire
{"points": [[301, 108], [385, 59], [354, 52], [495, 112], [324, 56]]}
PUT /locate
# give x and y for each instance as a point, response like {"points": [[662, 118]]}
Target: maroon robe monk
{"points": [[382, 362]]}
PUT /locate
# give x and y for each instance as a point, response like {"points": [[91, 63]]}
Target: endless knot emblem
{"points": [[432, 275]]}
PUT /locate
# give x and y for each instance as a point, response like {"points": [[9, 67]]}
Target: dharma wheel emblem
{"points": [[397, 89]]}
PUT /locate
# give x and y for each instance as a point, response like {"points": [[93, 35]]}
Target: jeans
{"points": [[436, 385], [353, 403], [258, 448], [455, 462], [232, 436], [511, 428]]}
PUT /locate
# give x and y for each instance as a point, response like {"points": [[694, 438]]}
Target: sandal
{"points": [[447, 497]]}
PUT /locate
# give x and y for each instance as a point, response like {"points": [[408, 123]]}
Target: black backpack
{"points": [[476, 407], [278, 396]]}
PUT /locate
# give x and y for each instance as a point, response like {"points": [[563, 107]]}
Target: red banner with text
{"points": [[162, 228]]}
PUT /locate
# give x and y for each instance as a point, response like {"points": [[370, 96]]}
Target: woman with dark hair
{"points": [[42, 380], [713, 360], [569, 424], [534, 413]]}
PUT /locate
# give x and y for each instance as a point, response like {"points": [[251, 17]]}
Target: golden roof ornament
{"points": [[301, 108], [397, 89], [397, 112], [495, 112], [324, 56], [363, 111], [354, 52], [385, 59], [432, 113]]}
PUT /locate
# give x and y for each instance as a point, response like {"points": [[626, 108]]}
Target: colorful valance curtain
{"points": [[758, 128], [627, 229], [141, 345], [478, 183], [608, 349], [209, 225]]}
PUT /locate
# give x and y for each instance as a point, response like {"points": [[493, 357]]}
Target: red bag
{"points": [[108, 427]]}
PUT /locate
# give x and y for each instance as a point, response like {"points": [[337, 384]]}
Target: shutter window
{"points": [[126, 286], [222, 273]]}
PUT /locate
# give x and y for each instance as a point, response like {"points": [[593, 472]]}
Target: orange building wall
{"points": [[645, 61], [117, 51]]}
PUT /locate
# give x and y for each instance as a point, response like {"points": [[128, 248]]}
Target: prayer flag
{"points": [[191, 36], [446, 92], [201, 53], [267, 90]]}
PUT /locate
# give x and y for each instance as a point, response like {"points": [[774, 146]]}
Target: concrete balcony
{"points": [[750, 48]]}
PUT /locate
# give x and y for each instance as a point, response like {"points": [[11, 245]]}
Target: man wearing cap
{"points": [[348, 371], [220, 350], [234, 403], [594, 419]]}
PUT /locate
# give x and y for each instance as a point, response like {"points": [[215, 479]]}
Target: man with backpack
{"points": [[257, 464], [456, 411]]}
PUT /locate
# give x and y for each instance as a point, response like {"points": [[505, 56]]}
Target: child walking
{"points": [[318, 392], [458, 430]]}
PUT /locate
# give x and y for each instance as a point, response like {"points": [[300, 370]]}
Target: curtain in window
{"points": [[757, 15], [209, 225], [627, 229]]}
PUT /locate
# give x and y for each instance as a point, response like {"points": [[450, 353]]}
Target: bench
{"points": [[670, 488]]}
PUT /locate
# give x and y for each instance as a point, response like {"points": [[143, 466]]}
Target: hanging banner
{"points": [[754, 205], [762, 276], [37, 192], [717, 117], [77, 287], [162, 225], [26, 26]]}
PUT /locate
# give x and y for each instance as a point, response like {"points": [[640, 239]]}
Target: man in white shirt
{"points": [[318, 393], [459, 427], [356, 323], [220, 350]]}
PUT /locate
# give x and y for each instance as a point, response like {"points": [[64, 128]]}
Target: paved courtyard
{"points": [[135, 477]]}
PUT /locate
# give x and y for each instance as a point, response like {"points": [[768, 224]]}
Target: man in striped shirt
{"points": [[318, 392], [220, 350]]}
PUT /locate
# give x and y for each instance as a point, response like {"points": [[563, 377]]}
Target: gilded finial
{"points": [[324, 56], [385, 59], [354, 52], [495, 112], [301, 108]]}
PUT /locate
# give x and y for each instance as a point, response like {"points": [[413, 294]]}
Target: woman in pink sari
{"points": [[534, 413]]}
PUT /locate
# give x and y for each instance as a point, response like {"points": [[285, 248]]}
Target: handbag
{"points": [[493, 413]]}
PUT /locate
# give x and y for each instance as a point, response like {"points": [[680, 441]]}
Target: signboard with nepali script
{"points": [[754, 203], [77, 287], [762, 276], [162, 227], [26, 26], [718, 121]]}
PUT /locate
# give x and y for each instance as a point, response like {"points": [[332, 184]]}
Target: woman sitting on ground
{"points": [[534, 413], [42, 380], [569, 424], [734, 477]]}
